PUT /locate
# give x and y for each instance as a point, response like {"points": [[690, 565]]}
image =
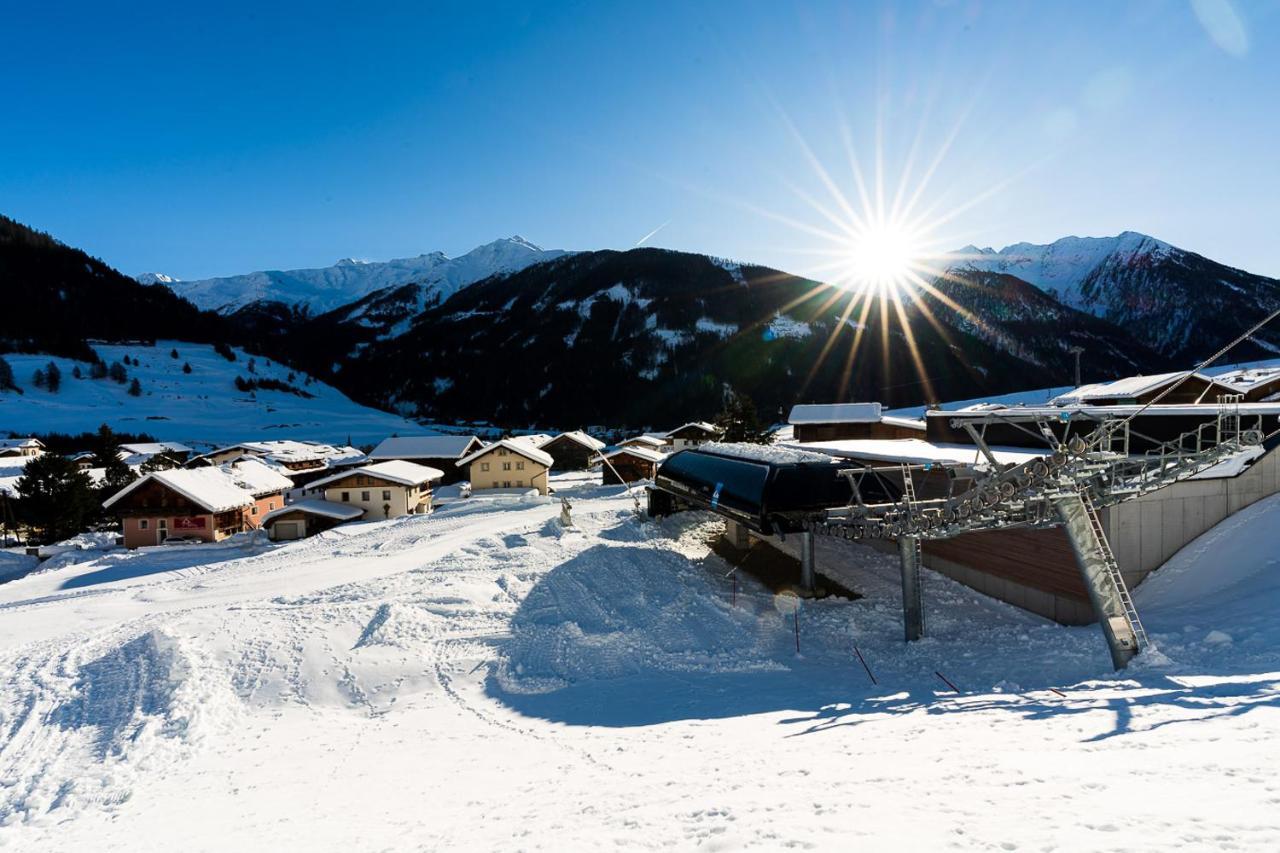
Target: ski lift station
{"points": [[1060, 508]]}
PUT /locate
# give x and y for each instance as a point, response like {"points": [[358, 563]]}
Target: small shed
{"points": [[629, 464], [307, 518], [572, 451]]}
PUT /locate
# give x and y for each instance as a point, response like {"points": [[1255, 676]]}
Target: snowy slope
{"points": [[483, 679], [203, 407], [349, 280]]}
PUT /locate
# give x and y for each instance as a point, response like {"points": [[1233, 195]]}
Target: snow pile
{"points": [[782, 326]]}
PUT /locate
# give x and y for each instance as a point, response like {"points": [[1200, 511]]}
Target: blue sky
{"points": [[222, 138]]}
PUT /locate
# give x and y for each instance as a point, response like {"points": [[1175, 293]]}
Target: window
{"points": [[520, 484], [346, 497], [164, 522], [519, 466], [484, 466], [495, 484], [506, 484], [506, 466], [364, 496], [253, 511], [142, 524], [386, 494]]}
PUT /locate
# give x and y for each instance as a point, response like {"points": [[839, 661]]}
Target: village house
{"points": [[302, 461], [28, 447], [629, 464], [1257, 384], [207, 504], [83, 460], [835, 421], [434, 451], [382, 489], [135, 453], [693, 434], [512, 463], [307, 517], [572, 451]]}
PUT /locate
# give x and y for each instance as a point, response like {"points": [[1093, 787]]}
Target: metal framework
{"points": [[1066, 486]]}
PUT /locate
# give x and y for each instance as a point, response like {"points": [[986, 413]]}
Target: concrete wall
{"points": [[1145, 532]]}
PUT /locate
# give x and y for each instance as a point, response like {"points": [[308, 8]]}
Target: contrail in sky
{"points": [[651, 233]]}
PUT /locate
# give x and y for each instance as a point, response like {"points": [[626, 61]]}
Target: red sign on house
{"points": [[194, 522]]}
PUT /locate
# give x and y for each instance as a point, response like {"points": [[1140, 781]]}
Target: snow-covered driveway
{"points": [[483, 679]]}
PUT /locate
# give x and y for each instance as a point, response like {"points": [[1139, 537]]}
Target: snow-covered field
{"points": [[202, 407], [482, 678]]}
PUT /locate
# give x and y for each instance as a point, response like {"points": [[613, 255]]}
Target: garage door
{"points": [[288, 530]]}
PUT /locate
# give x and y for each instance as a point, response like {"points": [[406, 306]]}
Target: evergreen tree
{"points": [[53, 378], [135, 389], [37, 378], [117, 373], [7, 382], [225, 351], [106, 455], [173, 353], [252, 365], [55, 497], [98, 370], [186, 367], [740, 421], [75, 372]]}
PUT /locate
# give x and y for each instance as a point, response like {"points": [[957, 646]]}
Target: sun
{"points": [[883, 257]]}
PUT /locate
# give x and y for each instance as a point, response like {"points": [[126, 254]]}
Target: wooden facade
{"points": [[569, 455], [624, 467], [841, 431]]}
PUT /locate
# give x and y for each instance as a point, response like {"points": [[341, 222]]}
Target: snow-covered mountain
{"points": [[349, 280], [1177, 302]]}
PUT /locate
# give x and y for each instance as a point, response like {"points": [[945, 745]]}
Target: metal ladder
{"points": [[908, 488], [1113, 570]]}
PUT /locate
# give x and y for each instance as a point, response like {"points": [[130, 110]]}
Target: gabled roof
{"points": [[1130, 387], [535, 440], [423, 447], [288, 450], [835, 413], [208, 488], [316, 506], [395, 470], [581, 438], [638, 452], [702, 426], [521, 448], [646, 439], [1248, 378]]}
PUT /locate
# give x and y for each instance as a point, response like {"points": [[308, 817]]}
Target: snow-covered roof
{"points": [[1126, 388], [423, 447], [638, 452], [647, 439], [835, 413], [152, 448], [257, 477], [215, 488], [289, 450], [535, 440], [772, 453], [917, 451], [581, 438], [15, 443], [395, 470], [702, 426], [522, 448], [908, 423], [317, 506], [1248, 378]]}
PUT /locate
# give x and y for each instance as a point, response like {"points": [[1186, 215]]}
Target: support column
{"points": [[736, 535], [806, 563], [1108, 608], [912, 600]]}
